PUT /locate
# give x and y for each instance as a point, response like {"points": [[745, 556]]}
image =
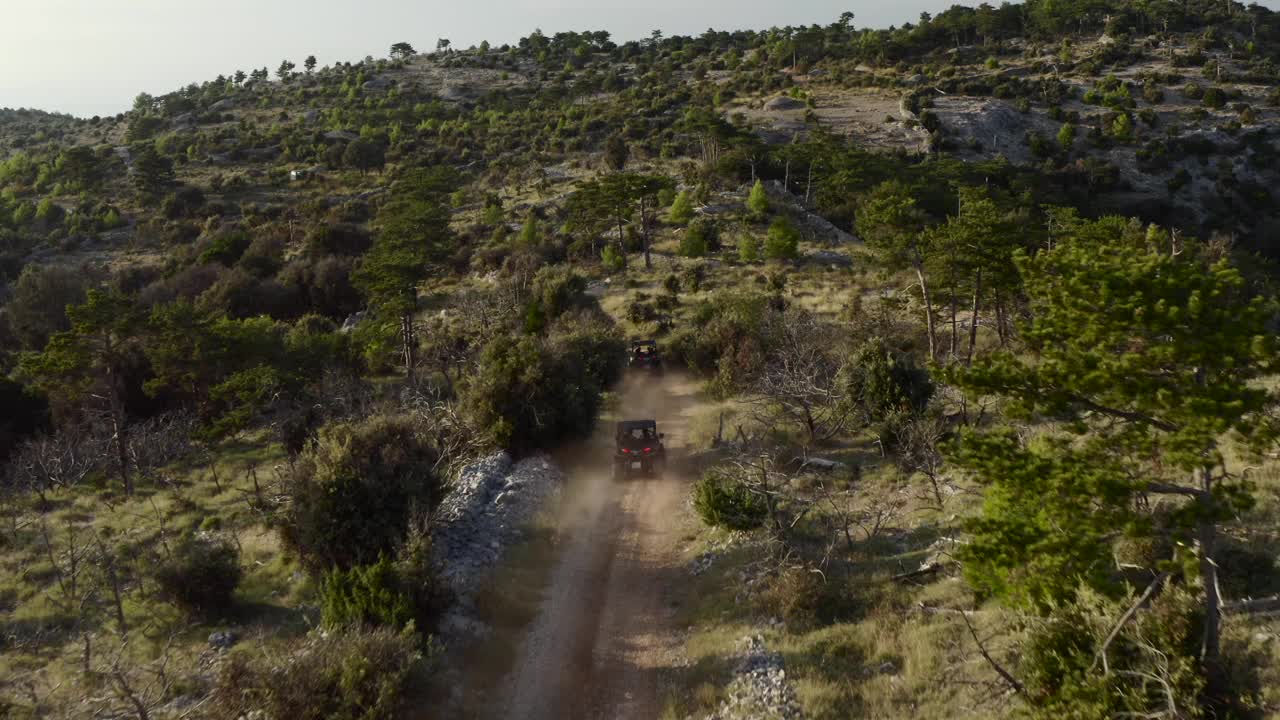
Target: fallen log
{"points": [[928, 569], [1253, 605]]}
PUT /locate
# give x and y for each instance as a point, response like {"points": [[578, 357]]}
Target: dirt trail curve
{"points": [[605, 628]]}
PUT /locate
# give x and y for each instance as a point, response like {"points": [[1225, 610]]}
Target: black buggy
{"points": [[644, 355], [638, 449]]}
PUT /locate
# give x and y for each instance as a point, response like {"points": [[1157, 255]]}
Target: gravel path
{"points": [[606, 629]]}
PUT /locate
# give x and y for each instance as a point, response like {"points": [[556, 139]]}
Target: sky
{"points": [[92, 57]]}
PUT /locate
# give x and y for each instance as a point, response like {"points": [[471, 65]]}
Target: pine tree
{"points": [[616, 152], [151, 172], [758, 201], [414, 236], [86, 365], [530, 233], [681, 208], [783, 241], [891, 224], [1148, 358]]}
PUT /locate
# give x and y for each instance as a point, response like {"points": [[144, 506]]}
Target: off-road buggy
{"points": [[644, 355], [638, 449]]}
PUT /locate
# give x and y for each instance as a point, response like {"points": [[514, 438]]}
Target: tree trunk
{"points": [[1211, 646], [120, 427], [644, 235], [1000, 329], [86, 656], [122, 626], [973, 321], [448, 381], [928, 312], [119, 432], [955, 335], [409, 350]]}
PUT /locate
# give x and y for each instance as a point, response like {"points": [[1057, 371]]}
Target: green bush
{"points": [[722, 501], [201, 575], [693, 276], [748, 248], [694, 242], [804, 598], [783, 242], [587, 339], [882, 382], [1067, 136], [364, 595], [1064, 678], [226, 248], [758, 201], [355, 674], [556, 290], [613, 259], [352, 494], [529, 397], [681, 208]]}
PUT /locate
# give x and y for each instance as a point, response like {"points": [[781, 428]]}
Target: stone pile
{"points": [[759, 689], [485, 513]]}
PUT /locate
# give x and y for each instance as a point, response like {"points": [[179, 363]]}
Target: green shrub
{"points": [[693, 276], [338, 239], [666, 196], [681, 208], [758, 201], [588, 340], [722, 501], [640, 309], [1067, 136], [352, 494], [701, 237], [783, 242], [1213, 98], [613, 259], [201, 575], [364, 595], [226, 248], [557, 290], [882, 383], [1064, 678], [1122, 127], [356, 674], [748, 248], [529, 397], [804, 598]]}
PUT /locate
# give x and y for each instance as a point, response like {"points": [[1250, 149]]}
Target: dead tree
{"points": [[60, 461], [919, 443], [131, 689], [801, 378]]}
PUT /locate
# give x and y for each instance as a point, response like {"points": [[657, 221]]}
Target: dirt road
{"points": [[604, 630]]}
